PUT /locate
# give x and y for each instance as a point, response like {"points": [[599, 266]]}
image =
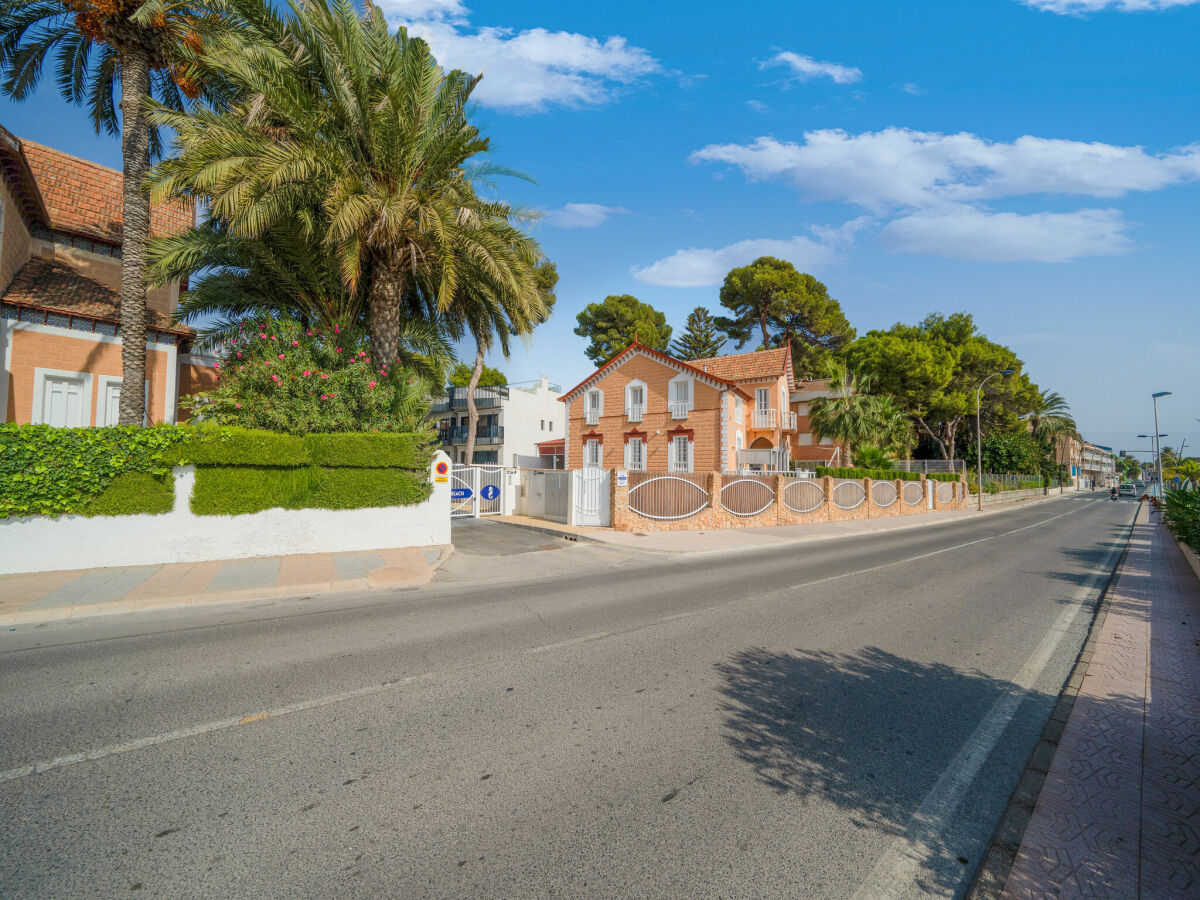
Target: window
{"points": [[802, 408], [551, 424], [593, 454], [108, 401], [543, 421], [62, 399], [762, 399], [635, 401], [739, 415], [681, 453], [635, 454], [593, 406], [739, 441], [681, 397]]}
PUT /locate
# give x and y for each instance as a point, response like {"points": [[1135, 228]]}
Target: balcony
{"points": [[591, 416], [485, 398], [765, 418], [680, 410], [484, 434], [789, 421], [635, 413]]}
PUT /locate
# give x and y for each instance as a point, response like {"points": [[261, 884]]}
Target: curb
{"points": [[1001, 853], [553, 532]]}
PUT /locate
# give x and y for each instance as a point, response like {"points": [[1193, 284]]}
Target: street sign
{"points": [[622, 478], [489, 492], [461, 494], [441, 469]]}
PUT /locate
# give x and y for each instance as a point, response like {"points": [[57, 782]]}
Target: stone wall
{"points": [[794, 502]]}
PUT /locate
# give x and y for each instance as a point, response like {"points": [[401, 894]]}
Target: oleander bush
{"points": [[1181, 512]]}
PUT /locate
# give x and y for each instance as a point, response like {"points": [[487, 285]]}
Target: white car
{"points": [[1127, 490]]}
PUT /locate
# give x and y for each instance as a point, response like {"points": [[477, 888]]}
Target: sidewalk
{"points": [[45, 596], [1119, 812], [713, 540]]}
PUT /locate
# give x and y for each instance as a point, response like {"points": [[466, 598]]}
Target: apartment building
{"points": [[513, 419], [647, 411], [60, 274], [1091, 465]]}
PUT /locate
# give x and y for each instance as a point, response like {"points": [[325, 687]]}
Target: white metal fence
{"points": [[673, 496]]}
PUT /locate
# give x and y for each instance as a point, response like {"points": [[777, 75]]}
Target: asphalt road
{"points": [[841, 719]]}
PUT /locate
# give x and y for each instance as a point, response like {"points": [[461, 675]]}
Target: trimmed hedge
{"points": [[134, 492], [883, 474], [237, 490], [233, 446], [370, 450]]}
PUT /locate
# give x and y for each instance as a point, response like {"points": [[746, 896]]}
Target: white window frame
{"points": [[102, 383], [681, 409], [673, 463], [638, 385], [804, 439], [762, 399], [739, 412], [635, 465], [593, 401], [590, 462], [739, 441], [39, 386]]}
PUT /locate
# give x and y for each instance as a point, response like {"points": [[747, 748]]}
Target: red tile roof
{"points": [[47, 284], [636, 347], [748, 366], [84, 197]]}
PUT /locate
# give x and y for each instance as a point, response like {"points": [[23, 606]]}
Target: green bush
{"points": [[236, 490], [1181, 511], [875, 474], [134, 492], [368, 450], [53, 471], [209, 445]]}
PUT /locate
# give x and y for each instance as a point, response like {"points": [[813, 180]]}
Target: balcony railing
{"points": [[765, 418], [680, 410], [485, 397], [484, 434], [635, 413], [591, 416], [789, 420]]}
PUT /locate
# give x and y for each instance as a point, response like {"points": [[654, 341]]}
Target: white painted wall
{"points": [[522, 417], [41, 544]]}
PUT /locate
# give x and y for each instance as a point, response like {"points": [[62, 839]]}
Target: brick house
{"points": [[647, 411], [60, 274]]}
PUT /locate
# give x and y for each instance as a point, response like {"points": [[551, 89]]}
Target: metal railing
{"points": [[484, 434], [456, 398], [635, 413], [591, 416], [680, 410], [928, 466], [674, 496], [748, 495]]}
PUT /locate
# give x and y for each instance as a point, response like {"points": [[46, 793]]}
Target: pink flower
{"points": [[372, 384], [217, 365], [281, 356], [263, 335], [337, 330], [295, 343], [275, 378], [238, 405], [337, 349], [324, 375], [362, 352], [306, 372], [239, 354], [310, 334], [235, 339]]}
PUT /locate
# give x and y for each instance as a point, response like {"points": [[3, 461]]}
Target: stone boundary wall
{"points": [[46, 544], [714, 515]]}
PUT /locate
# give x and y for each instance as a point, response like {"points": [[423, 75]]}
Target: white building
{"points": [[512, 420]]}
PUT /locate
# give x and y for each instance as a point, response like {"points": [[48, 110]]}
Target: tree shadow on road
{"points": [[869, 731]]}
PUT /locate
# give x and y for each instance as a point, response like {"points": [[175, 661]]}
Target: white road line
{"points": [[895, 875], [193, 730]]}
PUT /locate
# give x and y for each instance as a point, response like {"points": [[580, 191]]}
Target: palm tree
{"points": [[847, 416], [1187, 471], [893, 427], [333, 111], [145, 46], [1049, 420]]}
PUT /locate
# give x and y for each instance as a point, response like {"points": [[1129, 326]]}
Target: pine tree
{"points": [[700, 338]]}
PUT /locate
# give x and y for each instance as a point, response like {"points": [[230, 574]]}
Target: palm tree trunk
{"points": [[472, 412], [135, 201], [383, 315]]}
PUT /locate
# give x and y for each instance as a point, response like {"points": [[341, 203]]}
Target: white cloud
{"points": [[705, 266], [1076, 7], [964, 232], [528, 70], [758, 106], [898, 167], [911, 88], [806, 68], [581, 215]]}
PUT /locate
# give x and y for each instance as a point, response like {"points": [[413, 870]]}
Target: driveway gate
{"points": [[476, 491], [591, 496]]}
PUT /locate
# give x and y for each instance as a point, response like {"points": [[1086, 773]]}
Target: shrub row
{"points": [[882, 474], [237, 490], [1182, 515]]}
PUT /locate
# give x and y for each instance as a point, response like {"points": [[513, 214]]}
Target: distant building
{"points": [[60, 276], [512, 420], [1090, 465]]}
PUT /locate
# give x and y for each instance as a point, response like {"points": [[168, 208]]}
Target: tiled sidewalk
{"points": [[1119, 812], [42, 596]]}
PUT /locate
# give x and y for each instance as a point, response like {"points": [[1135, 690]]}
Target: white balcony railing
{"points": [[789, 420], [591, 416], [765, 418], [680, 410], [635, 413]]}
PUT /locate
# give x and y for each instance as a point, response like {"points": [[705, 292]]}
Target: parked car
{"points": [[1127, 490]]}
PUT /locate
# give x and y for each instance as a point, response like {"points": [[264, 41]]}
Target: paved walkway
{"points": [[1119, 812], [42, 596]]}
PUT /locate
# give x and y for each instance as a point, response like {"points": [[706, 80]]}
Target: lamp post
{"points": [[1154, 449], [979, 436], [1159, 444]]}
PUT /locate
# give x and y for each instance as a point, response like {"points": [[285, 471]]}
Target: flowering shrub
{"points": [[280, 376]]}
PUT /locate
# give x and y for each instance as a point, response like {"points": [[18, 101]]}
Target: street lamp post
{"points": [[979, 436], [1157, 443], [1156, 438]]}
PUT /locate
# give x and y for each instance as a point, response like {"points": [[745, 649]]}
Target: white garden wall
{"points": [[42, 544]]}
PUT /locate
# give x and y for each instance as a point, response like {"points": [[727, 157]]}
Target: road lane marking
{"points": [[205, 728], [895, 874]]}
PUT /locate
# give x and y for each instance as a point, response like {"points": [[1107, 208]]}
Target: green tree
{"points": [[1049, 421], [1187, 471], [700, 338], [784, 306], [460, 376], [933, 369], [143, 48], [331, 110], [612, 325]]}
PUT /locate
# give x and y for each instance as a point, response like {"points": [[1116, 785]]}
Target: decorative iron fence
{"points": [[883, 493], [674, 496], [913, 493], [945, 492], [747, 496], [849, 494], [803, 496]]}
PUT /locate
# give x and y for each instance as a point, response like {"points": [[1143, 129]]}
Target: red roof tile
{"points": [[747, 366], [637, 347], [84, 197]]}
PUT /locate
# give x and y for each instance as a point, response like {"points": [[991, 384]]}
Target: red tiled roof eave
{"points": [[658, 355]]}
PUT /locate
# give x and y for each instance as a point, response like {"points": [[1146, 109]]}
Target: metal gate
{"points": [[476, 491], [591, 496]]}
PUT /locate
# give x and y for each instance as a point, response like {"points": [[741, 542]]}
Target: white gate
{"points": [[476, 491], [591, 496]]}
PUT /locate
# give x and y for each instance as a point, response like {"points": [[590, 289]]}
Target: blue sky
{"points": [[1033, 162]]}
